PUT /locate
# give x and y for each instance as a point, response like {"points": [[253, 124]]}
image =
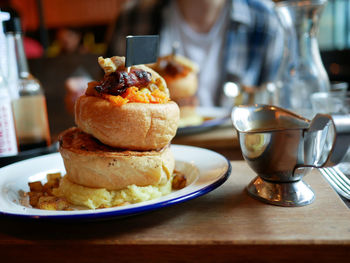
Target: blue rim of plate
{"points": [[108, 215]]}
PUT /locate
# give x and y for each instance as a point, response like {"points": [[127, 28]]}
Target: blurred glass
{"points": [[335, 101], [238, 94], [339, 86], [302, 72]]}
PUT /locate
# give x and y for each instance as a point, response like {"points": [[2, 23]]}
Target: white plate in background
{"points": [[216, 116]]}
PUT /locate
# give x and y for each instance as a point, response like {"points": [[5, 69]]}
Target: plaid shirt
{"points": [[254, 43]]}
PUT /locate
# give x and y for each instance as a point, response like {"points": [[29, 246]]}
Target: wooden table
{"points": [[225, 225]]}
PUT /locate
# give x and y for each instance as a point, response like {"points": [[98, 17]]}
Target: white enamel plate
{"points": [[205, 170]]}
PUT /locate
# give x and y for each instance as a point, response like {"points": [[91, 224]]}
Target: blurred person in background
{"points": [[70, 40], [67, 41], [237, 41]]}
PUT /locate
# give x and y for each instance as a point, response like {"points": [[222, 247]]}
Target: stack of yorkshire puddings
{"points": [[119, 153], [180, 74]]}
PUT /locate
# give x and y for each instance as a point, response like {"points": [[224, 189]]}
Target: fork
{"points": [[338, 180]]}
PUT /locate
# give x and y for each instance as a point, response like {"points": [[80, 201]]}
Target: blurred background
{"points": [[64, 38]]}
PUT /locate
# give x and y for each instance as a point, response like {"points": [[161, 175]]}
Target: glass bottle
{"points": [[29, 106], [8, 140], [302, 72], [4, 16]]}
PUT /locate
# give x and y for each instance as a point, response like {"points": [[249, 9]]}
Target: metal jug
{"points": [[281, 147]]}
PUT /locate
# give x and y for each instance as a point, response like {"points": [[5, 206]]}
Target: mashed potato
{"points": [[100, 197]]}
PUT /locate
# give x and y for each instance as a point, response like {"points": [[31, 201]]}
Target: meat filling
{"points": [[116, 83]]}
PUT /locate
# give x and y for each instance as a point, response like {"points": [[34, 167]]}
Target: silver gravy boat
{"points": [[281, 147]]}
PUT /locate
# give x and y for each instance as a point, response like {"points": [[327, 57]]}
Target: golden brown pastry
{"points": [[92, 164], [134, 126], [129, 110]]}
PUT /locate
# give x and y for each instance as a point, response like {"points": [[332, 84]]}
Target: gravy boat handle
{"points": [[326, 140]]}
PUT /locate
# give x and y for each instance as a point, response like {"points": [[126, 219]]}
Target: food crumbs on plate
{"points": [[179, 180], [23, 198], [41, 196]]}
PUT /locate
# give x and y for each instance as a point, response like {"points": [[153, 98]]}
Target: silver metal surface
{"points": [[338, 180], [281, 147], [291, 194], [342, 139]]}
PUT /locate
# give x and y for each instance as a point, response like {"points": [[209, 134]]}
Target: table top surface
{"points": [[225, 222], [225, 218]]}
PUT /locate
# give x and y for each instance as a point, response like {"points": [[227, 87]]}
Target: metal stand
{"points": [[290, 194]]}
